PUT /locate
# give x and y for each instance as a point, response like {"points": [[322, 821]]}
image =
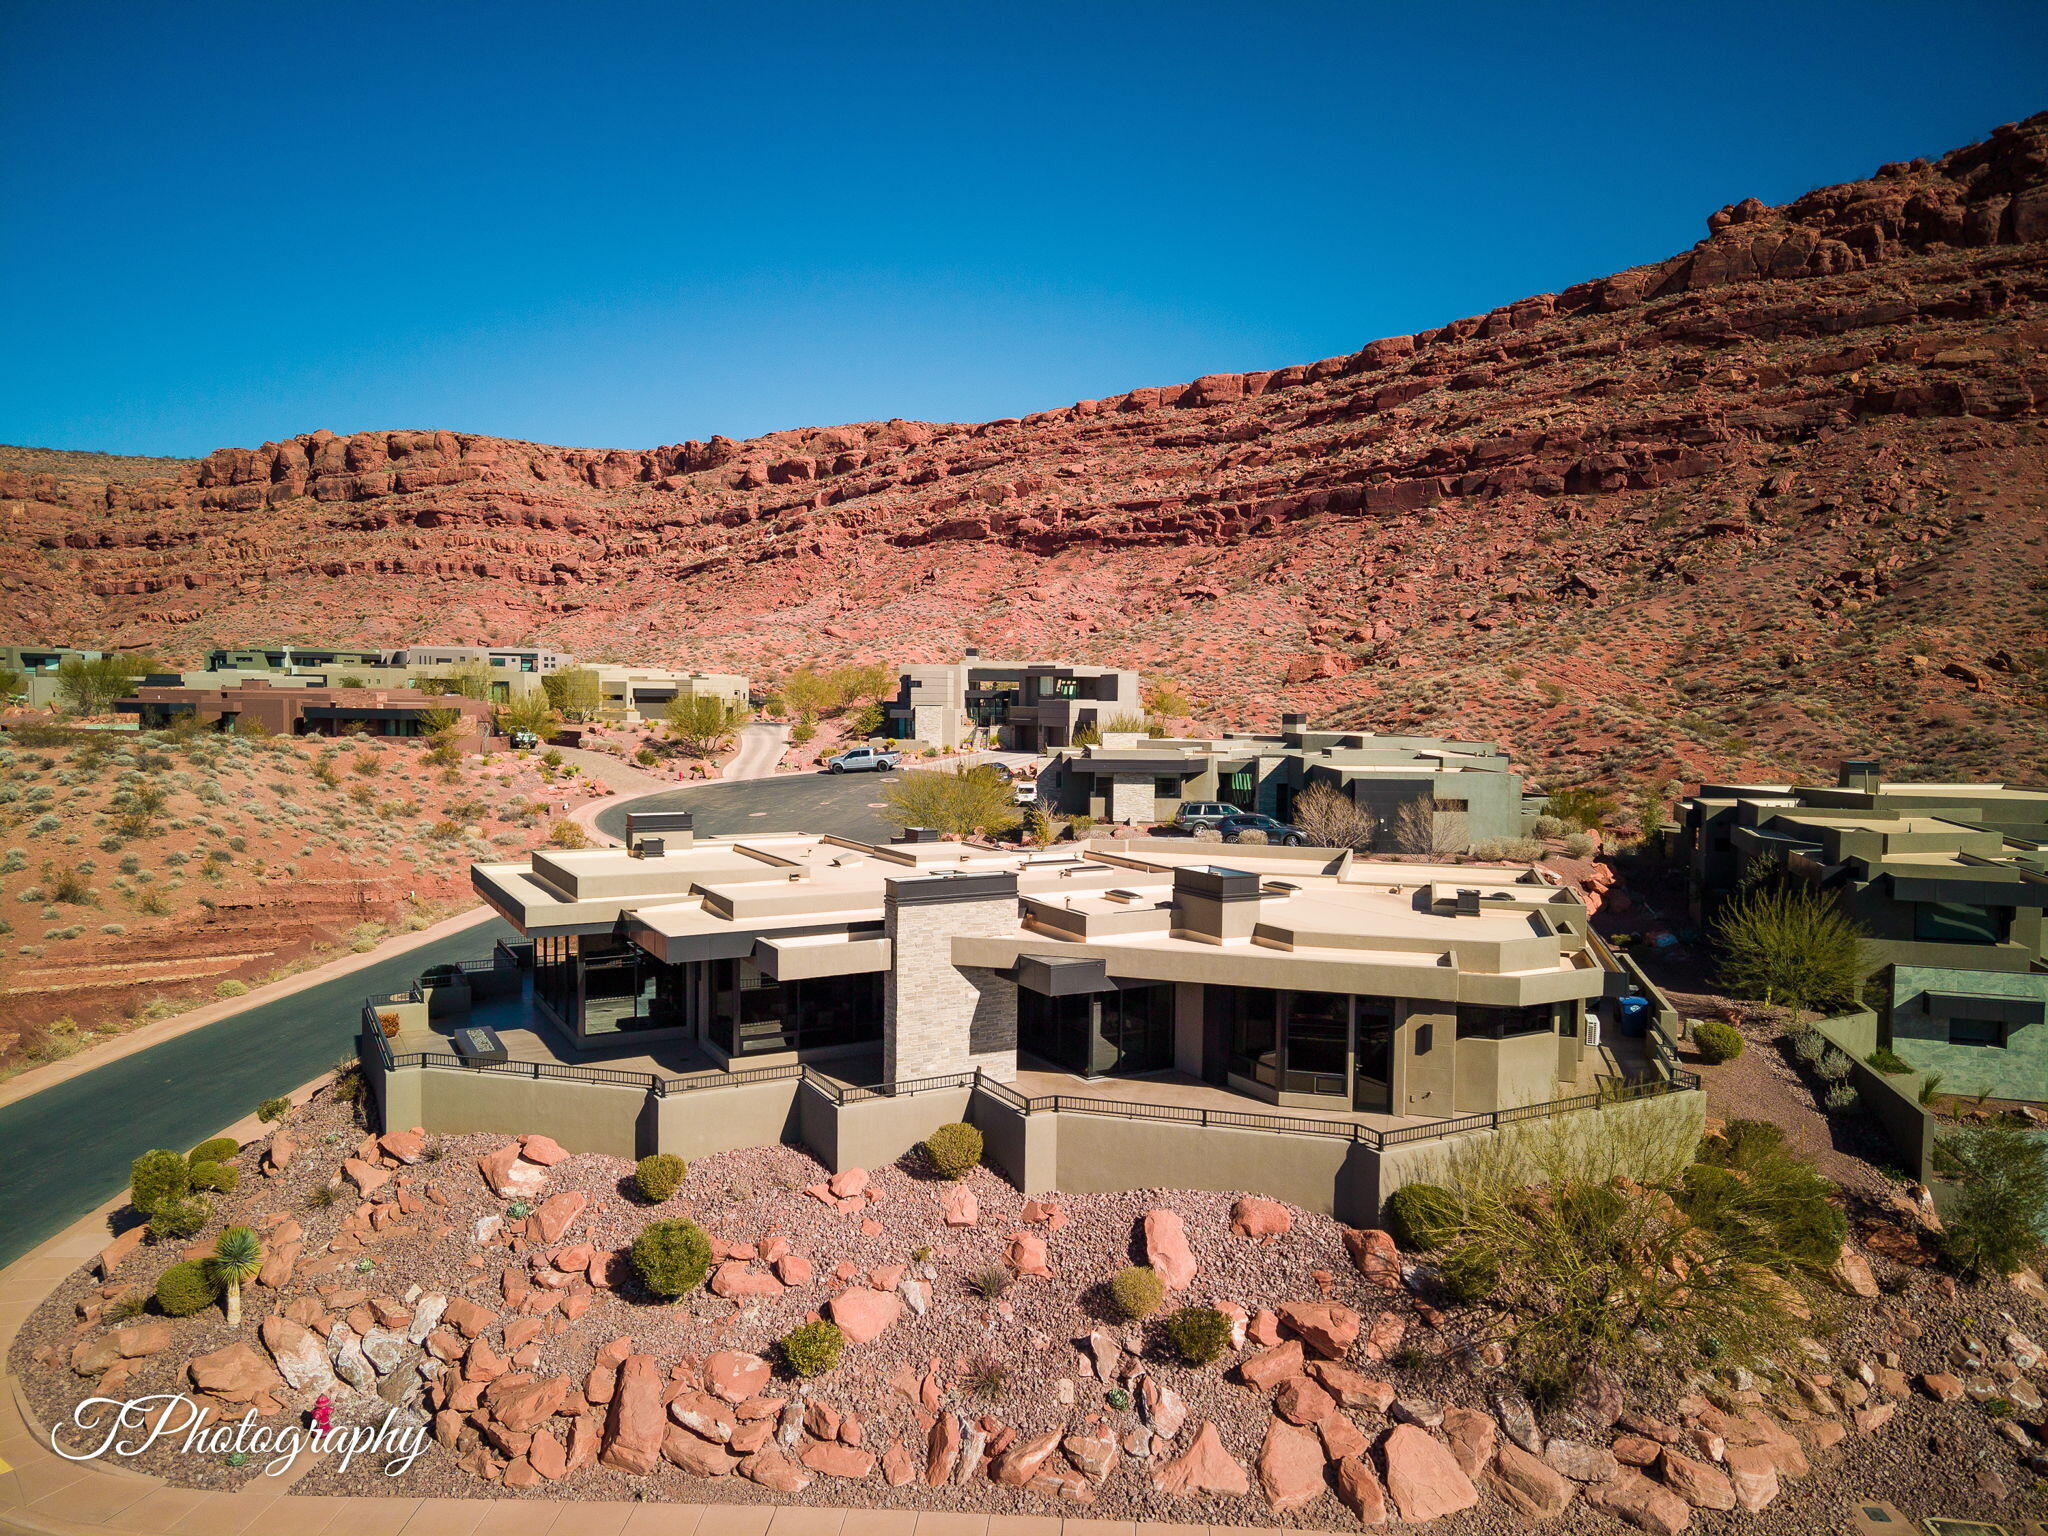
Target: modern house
{"points": [[1030, 706], [1113, 1015], [1451, 793], [301, 708], [632, 693], [1948, 881], [38, 666]]}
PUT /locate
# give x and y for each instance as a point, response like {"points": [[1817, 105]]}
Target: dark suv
{"points": [[1278, 833]]}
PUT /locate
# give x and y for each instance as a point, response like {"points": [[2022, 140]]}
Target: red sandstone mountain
{"points": [[1778, 498]]}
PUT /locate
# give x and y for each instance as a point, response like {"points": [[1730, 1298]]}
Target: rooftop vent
{"points": [[1279, 888], [649, 848], [1294, 722], [1468, 904], [921, 835]]}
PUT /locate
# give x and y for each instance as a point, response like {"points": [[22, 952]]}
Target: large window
{"points": [[753, 1014], [1477, 1023], [1297, 1042], [1976, 1031], [1956, 922], [1095, 1034]]}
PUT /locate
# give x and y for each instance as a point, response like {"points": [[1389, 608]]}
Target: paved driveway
{"points": [[849, 804]]}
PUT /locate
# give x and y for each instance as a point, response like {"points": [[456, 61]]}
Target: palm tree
{"points": [[237, 1257]]}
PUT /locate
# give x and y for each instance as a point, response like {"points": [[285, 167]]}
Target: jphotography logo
{"points": [[131, 1426]]}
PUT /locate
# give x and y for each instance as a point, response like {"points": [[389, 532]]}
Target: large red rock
{"points": [[1290, 1465], [1028, 1256], [735, 1376], [864, 1314], [1423, 1476], [1376, 1255], [1299, 1400], [693, 1453], [1267, 1369], [1473, 1435], [1021, 1462], [1534, 1488], [1167, 1250], [1324, 1326], [238, 1375], [636, 1424], [836, 1459], [1359, 1486], [737, 1280], [1205, 1467], [1700, 1483], [553, 1217], [1643, 1504], [509, 1176], [1753, 1474], [1261, 1219], [531, 1404]]}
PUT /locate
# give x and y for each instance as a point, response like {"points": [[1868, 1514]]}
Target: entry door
{"points": [[1373, 1074]]}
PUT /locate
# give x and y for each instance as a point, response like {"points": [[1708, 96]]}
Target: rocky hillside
{"points": [[1775, 499]]}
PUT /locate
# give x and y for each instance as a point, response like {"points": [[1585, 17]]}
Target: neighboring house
{"points": [[38, 666], [1469, 788], [1029, 706], [1949, 882], [296, 707], [515, 670], [1296, 977], [288, 658], [635, 692]]}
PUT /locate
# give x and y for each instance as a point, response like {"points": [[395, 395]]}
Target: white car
{"points": [[1026, 791]]}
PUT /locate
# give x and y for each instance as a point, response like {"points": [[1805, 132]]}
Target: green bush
{"points": [[270, 1111], [671, 1257], [217, 1150], [1792, 947], [1888, 1061], [1137, 1291], [812, 1349], [218, 1177], [175, 1220], [953, 1151], [1763, 1204], [186, 1288], [659, 1175], [1716, 1042], [1418, 1215], [157, 1178], [1994, 1225], [1199, 1335]]}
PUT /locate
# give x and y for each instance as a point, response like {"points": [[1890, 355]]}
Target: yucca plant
{"points": [[237, 1257]]}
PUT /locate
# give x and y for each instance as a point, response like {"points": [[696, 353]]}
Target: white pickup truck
{"points": [[863, 760]]}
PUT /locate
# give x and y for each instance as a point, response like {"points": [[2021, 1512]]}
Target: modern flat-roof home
{"points": [[515, 670], [38, 666], [1292, 976], [297, 708], [1026, 706], [1469, 788], [630, 693], [289, 658], [1949, 883], [1113, 1014]]}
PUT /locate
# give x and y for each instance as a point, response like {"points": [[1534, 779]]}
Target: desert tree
{"points": [[534, 713], [1419, 827], [703, 723], [464, 679], [1332, 819], [959, 801], [1790, 946], [574, 691], [1996, 1222], [1166, 698]]}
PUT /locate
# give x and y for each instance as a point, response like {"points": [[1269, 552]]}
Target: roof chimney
{"points": [[1860, 773], [1294, 722], [1214, 904], [921, 835]]}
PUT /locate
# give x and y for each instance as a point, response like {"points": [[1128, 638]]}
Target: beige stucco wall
{"points": [[1619, 1139], [875, 1132], [1097, 1153], [584, 1117], [726, 1119]]}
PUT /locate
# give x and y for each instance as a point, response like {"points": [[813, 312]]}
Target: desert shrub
{"points": [[217, 1149], [218, 1177], [231, 988], [1580, 845], [270, 1111], [186, 1288], [1137, 1291], [1835, 1066], [659, 1175], [567, 834], [1419, 1214], [1930, 1087], [1199, 1335], [953, 1151], [1888, 1061], [1550, 826], [1994, 1225], [1507, 848], [1841, 1098], [990, 1283], [671, 1257], [960, 802], [156, 1178], [178, 1219], [1582, 805], [812, 1349], [348, 1080], [1790, 946], [1762, 1203], [1809, 1045], [1716, 1042]]}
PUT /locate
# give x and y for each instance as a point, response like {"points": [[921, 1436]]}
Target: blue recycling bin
{"points": [[1634, 1016]]}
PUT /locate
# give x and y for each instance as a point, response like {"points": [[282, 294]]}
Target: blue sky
{"points": [[622, 224]]}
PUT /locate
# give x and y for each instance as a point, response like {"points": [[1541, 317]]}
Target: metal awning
{"points": [[1059, 976]]}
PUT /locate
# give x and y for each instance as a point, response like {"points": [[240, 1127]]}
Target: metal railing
{"points": [[849, 1093]]}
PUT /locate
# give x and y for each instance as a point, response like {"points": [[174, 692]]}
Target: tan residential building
{"points": [[1025, 706]]}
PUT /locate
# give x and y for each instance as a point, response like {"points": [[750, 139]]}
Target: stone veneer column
{"points": [[938, 1017], [1130, 799]]}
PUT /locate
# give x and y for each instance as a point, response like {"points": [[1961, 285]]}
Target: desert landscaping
{"points": [[487, 1289]]}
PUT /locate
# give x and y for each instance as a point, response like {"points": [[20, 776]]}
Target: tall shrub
{"points": [[1792, 947]]}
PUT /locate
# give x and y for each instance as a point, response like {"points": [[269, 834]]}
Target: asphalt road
{"points": [[849, 804], [66, 1149]]}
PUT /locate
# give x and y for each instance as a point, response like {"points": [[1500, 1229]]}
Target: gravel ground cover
{"points": [[1008, 1363]]}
